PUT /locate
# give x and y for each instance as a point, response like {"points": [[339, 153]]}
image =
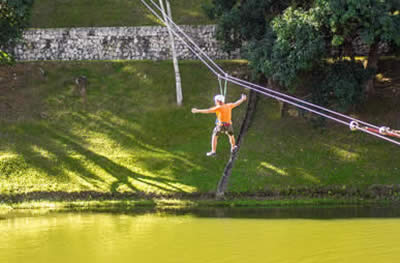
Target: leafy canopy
{"points": [[14, 17], [285, 39]]}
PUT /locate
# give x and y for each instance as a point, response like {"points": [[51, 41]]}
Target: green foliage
{"points": [[295, 37], [238, 21], [229, 30], [297, 46], [373, 20], [340, 84], [241, 22], [5, 59], [218, 8], [14, 17], [301, 35]]}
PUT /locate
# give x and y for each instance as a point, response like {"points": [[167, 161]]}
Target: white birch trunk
{"points": [[179, 96]]}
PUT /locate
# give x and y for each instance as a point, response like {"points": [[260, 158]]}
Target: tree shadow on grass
{"points": [[55, 161], [116, 132], [62, 144], [132, 136]]}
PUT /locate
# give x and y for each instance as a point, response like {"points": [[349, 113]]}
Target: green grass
{"points": [[39, 207], [89, 13], [131, 137]]}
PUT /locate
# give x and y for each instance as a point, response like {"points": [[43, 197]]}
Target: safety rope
{"points": [[223, 90], [353, 123]]}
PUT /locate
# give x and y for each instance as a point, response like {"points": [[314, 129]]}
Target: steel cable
{"points": [[220, 73]]}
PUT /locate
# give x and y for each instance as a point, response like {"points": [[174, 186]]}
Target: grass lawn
{"points": [[89, 13], [131, 137]]}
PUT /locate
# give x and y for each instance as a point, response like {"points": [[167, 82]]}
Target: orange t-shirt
{"points": [[224, 112]]}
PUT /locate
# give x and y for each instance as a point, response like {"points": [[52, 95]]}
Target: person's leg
{"points": [[232, 141], [231, 136], [214, 141]]}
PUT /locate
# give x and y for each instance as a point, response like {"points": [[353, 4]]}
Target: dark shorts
{"points": [[227, 129]]}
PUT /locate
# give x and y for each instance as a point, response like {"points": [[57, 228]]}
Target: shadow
{"points": [[123, 175], [59, 163], [59, 154]]}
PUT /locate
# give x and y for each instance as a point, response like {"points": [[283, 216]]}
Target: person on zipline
{"points": [[224, 121]]}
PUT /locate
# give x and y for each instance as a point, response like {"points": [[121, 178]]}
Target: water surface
{"points": [[272, 235]]}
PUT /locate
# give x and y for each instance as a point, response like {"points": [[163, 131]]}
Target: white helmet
{"points": [[219, 98]]}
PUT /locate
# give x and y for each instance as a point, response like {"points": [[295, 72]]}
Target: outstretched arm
{"points": [[238, 102], [209, 110]]}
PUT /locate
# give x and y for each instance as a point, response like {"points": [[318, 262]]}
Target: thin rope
{"points": [[220, 84], [223, 90], [226, 85]]}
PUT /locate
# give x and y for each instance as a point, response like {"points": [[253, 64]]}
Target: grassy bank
{"points": [[184, 205], [131, 138], [86, 13]]}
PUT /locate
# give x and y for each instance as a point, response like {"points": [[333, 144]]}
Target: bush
{"points": [[14, 17], [341, 85]]}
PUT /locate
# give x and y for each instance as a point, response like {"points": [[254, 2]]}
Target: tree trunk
{"points": [[81, 83], [283, 106], [179, 96], [372, 64], [283, 109], [348, 49], [251, 107]]}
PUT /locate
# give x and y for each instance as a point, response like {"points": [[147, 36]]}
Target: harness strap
{"points": [[219, 123]]}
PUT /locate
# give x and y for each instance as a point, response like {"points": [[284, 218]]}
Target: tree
{"points": [[14, 18], [298, 36], [251, 108], [375, 21], [237, 26], [240, 22], [285, 40], [167, 13]]}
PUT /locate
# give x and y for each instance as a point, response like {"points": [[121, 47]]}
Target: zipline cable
{"points": [[315, 112], [354, 124], [170, 21], [177, 35], [301, 101]]}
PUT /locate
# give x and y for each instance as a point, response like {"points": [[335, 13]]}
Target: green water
{"points": [[155, 237]]}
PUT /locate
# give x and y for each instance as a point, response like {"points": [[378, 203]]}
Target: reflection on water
{"points": [[214, 235]]}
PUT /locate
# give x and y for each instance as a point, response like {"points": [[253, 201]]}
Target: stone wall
{"points": [[131, 43], [112, 43]]}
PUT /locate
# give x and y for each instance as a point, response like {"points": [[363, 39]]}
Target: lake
{"points": [[298, 235]]}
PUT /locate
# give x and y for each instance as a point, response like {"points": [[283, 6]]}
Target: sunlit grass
{"points": [[128, 138], [84, 13], [273, 168], [131, 137]]}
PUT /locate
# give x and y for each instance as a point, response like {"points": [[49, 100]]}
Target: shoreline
{"points": [[305, 196]]}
